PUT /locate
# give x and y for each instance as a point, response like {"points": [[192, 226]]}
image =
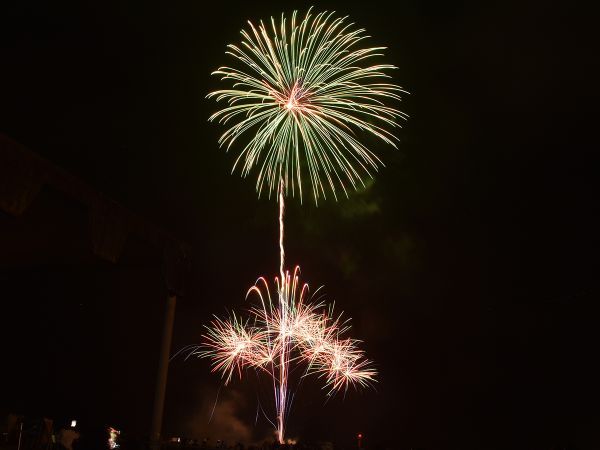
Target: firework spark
{"points": [[296, 330], [302, 91]]}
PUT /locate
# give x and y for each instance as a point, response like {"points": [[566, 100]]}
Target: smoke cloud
{"points": [[221, 418]]}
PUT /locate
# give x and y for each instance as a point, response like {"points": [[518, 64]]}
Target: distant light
{"points": [[359, 435], [113, 436], [73, 423]]}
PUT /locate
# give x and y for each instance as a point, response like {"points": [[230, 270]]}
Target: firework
{"points": [[295, 330], [303, 91], [302, 95], [292, 330]]}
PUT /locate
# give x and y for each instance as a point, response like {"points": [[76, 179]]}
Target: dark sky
{"points": [[467, 265]]}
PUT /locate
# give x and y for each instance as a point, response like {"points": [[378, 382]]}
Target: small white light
{"points": [[73, 423]]}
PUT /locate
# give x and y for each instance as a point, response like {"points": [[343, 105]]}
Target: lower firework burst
{"points": [[293, 330]]}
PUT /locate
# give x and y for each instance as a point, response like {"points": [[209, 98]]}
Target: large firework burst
{"points": [[304, 91]]}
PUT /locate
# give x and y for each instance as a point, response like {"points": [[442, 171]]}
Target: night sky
{"points": [[467, 264]]}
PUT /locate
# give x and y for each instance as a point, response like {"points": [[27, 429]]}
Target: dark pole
{"points": [[163, 368]]}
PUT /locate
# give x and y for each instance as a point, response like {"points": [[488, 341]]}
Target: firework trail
{"points": [[281, 399]]}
